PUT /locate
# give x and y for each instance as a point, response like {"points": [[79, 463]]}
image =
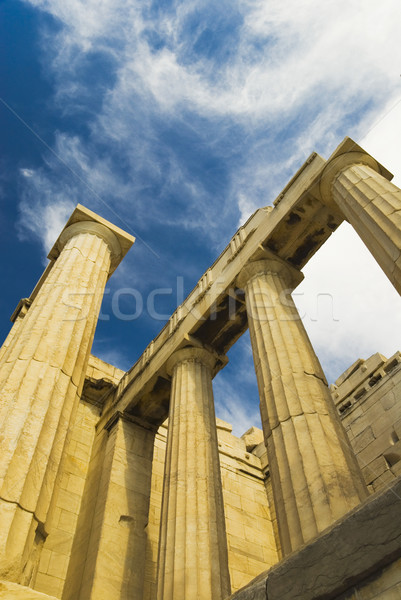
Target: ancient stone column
{"points": [[352, 182], [41, 377], [193, 546], [315, 477]]}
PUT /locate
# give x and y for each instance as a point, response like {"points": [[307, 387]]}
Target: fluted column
{"points": [[41, 376], [193, 561], [315, 477], [371, 204]]}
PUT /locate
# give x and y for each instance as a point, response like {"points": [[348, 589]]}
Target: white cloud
{"points": [[296, 79], [43, 219], [284, 56], [381, 137]]}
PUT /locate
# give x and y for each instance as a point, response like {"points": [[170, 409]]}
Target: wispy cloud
{"points": [[259, 85], [184, 117]]}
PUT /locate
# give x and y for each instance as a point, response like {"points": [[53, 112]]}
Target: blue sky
{"points": [[176, 120]]}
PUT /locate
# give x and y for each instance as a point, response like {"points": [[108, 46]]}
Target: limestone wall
{"points": [[66, 503], [251, 541], [357, 558], [368, 398]]}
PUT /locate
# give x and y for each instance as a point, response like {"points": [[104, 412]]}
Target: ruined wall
{"points": [[252, 545], [368, 398]]}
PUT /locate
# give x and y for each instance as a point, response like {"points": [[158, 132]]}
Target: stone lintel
{"points": [[294, 230], [120, 416], [344, 556], [293, 179], [82, 214]]}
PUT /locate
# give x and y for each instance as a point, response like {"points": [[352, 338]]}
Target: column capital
{"points": [[201, 355], [21, 309], [289, 274], [84, 220], [347, 154], [94, 229]]}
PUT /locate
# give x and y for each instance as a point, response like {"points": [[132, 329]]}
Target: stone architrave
{"points": [[352, 183], [315, 477], [41, 377], [193, 559]]}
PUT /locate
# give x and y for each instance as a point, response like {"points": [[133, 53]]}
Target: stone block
{"points": [[388, 400], [252, 438], [382, 422], [256, 590], [67, 521], [362, 440], [231, 499], [374, 469], [58, 565]]}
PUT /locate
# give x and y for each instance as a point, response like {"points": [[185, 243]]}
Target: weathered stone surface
{"points": [[373, 419], [13, 591], [342, 558], [81, 500], [315, 477], [360, 188], [42, 371], [193, 560]]}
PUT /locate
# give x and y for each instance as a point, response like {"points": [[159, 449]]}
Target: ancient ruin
{"points": [[101, 499]]}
